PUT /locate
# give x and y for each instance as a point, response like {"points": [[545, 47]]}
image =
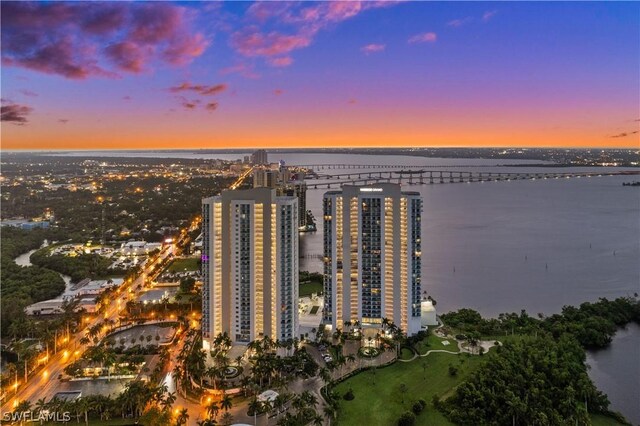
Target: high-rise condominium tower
{"points": [[372, 252], [250, 266]]}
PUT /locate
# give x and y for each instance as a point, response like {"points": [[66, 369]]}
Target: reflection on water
{"points": [[622, 383]]}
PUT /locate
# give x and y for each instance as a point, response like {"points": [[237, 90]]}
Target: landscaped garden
{"points": [[433, 342], [378, 394], [185, 264]]}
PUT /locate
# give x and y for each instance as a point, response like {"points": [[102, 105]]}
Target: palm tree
{"points": [[41, 405], [254, 406], [330, 412], [226, 419], [226, 403], [212, 409], [317, 420], [183, 416], [168, 400]]}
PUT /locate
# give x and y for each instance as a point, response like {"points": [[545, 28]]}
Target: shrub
{"points": [[348, 396], [407, 419], [435, 401], [453, 370], [416, 408]]}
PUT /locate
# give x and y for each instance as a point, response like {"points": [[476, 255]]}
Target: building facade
{"points": [[372, 256], [249, 266]]}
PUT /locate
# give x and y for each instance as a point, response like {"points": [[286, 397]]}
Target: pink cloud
{"points": [[201, 89], [67, 38], [278, 92], [211, 106], [252, 42], [282, 61], [28, 92], [305, 21], [460, 22], [14, 113], [423, 38], [372, 48], [244, 70], [488, 15], [128, 56]]}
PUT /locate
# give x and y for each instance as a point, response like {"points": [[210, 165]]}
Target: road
{"points": [[46, 383]]}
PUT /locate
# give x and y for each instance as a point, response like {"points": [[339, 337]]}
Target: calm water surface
{"points": [[535, 245]]}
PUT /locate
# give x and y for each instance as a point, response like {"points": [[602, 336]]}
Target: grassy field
{"points": [[378, 400], [188, 264], [310, 287], [434, 342], [406, 353]]}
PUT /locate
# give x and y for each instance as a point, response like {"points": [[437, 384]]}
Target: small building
{"points": [[268, 396], [427, 314], [47, 307], [88, 303]]}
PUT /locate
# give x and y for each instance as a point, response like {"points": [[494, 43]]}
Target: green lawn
{"points": [[434, 342], [406, 353], [188, 264], [310, 287], [378, 400]]}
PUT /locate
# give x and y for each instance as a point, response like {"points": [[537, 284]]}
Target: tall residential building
{"points": [[298, 189], [249, 266], [259, 157], [265, 178], [372, 253]]}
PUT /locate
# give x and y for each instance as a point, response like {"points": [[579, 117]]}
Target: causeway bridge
{"points": [[422, 177]]}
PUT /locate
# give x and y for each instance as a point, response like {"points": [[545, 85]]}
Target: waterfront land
{"points": [[535, 370]]}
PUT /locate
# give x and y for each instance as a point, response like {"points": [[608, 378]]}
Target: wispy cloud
{"points": [[63, 120], [251, 42], [211, 106], [283, 61], [278, 92], [460, 22], [14, 113], [28, 92], [624, 134], [372, 48], [202, 89], [242, 69], [304, 22], [488, 15], [69, 38], [423, 38]]}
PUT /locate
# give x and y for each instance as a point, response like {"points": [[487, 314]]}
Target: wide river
{"points": [[511, 245]]}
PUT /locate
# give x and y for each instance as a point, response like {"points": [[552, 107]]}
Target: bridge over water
{"points": [[421, 177], [316, 167]]}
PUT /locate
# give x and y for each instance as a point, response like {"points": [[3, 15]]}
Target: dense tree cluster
{"points": [[592, 324], [22, 286], [79, 267], [535, 380]]}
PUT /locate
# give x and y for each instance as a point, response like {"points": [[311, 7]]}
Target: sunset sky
{"points": [[319, 74]]}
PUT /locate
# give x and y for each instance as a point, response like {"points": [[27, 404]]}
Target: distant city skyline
{"points": [[111, 75]]}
